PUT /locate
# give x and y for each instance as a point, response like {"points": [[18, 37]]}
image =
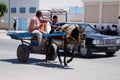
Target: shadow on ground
{"points": [[53, 64], [38, 62]]}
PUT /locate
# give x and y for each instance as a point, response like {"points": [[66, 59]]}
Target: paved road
{"points": [[99, 67], [3, 34]]}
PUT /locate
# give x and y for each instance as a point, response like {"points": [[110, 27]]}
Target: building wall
{"points": [[91, 12], [63, 4], [40, 5], [110, 12], [102, 13], [18, 4], [99, 0]]}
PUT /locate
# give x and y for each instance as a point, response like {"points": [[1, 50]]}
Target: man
{"points": [[55, 21], [37, 25], [14, 24]]}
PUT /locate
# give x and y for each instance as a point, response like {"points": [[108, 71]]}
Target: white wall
{"points": [[64, 4], [98, 0], [75, 17], [119, 19], [42, 5], [108, 13], [18, 4]]}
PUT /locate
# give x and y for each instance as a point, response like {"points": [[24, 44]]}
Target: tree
{"points": [[3, 9]]}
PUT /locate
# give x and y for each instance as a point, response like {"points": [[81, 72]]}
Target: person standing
{"points": [[95, 27], [14, 24], [108, 30]]}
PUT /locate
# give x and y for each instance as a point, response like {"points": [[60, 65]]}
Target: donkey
{"points": [[74, 34]]}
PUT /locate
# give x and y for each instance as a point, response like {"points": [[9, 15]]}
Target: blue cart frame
{"points": [[24, 49]]}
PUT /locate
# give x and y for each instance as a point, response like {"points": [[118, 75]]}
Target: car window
{"points": [[90, 29]]}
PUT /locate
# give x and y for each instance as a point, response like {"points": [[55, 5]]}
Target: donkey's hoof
{"points": [[68, 61], [65, 65], [61, 64]]}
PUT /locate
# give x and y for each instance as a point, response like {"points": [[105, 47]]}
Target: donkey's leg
{"points": [[65, 51], [72, 56], [59, 58], [65, 63], [65, 55], [48, 43], [47, 54]]}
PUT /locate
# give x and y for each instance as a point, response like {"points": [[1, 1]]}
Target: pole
{"points": [[9, 15]]}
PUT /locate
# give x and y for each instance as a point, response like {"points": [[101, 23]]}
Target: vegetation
{"points": [[3, 9]]}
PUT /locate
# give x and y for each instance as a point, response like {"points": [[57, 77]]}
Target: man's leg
{"points": [[39, 36]]}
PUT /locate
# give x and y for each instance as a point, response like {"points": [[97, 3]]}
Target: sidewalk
{"points": [[3, 34]]}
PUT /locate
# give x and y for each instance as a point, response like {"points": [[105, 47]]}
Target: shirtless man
{"points": [[37, 25]]}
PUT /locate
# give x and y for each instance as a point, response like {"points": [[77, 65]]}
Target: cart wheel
{"points": [[23, 53], [52, 52]]}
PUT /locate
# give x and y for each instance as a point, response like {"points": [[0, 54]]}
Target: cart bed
{"points": [[27, 35]]}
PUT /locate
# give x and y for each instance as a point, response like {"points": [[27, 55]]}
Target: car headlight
{"points": [[117, 41], [97, 42]]}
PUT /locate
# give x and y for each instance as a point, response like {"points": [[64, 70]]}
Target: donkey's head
{"points": [[82, 36], [75, 33], [79, 33]]}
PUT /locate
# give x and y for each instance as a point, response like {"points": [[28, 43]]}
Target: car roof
{"points": [[74, 23], [80, 23]]}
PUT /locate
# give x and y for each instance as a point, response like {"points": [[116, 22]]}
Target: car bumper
{"points": [[105, 48]]}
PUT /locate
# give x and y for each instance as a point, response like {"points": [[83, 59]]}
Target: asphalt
{"points": [[3, 34]]}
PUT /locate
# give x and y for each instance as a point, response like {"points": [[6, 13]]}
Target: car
{"points": [[96, 42]]}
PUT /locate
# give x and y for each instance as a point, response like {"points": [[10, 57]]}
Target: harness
{"points": [[68, 29], [81, 36]]}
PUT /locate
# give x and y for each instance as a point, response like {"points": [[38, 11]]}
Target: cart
{"points": [[29, 44]]}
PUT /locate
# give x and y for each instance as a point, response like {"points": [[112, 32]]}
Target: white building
{"points": [[27, 8], [102, 12]]}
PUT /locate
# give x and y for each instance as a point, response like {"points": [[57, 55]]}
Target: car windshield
{"points": [[90, 29]]}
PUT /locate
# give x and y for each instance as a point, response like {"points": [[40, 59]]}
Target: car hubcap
{"points": [[83, 51]]}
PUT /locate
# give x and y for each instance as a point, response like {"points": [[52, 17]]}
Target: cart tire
{"points": [[23, 53], [52, 52]]}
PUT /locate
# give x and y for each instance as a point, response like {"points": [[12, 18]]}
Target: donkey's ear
{"points": [[85, 28], [77, 27]]}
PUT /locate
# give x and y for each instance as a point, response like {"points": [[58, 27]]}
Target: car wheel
{"points": [[23, 53], [84, 51], [110, 53]]}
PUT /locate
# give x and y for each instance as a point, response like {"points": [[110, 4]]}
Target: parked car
{"points": [[96, 42]]}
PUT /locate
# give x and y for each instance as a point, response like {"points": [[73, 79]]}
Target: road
{"points": [[99, 67]]}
